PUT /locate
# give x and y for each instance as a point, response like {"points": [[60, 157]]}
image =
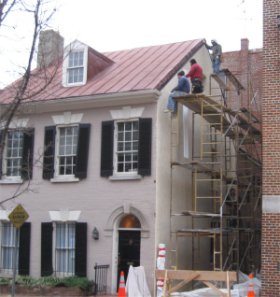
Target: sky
{"points": [[108, 25]]}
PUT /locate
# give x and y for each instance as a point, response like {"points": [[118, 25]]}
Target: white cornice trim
{"points": [[102, 100]]}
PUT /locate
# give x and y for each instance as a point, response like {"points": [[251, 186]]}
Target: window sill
{"points": [[77, 84], [64, 179], [8, 181], [125, 177], [6, 273]]}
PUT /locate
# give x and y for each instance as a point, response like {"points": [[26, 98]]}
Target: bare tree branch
{"points": [[21, 90]]}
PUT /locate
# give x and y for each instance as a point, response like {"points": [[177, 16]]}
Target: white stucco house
{"points": [[93, 150]]}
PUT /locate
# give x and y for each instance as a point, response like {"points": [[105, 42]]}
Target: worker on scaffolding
{"points": [[216, 55], [182, 88], [196, 76]]}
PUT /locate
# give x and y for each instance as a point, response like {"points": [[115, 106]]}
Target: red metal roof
{"points": [[137, 69]]}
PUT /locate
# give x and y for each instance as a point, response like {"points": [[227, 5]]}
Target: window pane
{"points": [[8, 241], [75, 75], [68, 139], [127, 146], [14, 152], [65, 248]]}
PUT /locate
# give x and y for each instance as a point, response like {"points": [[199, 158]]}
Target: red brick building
{"points": [[246, 65], [271, 151]]}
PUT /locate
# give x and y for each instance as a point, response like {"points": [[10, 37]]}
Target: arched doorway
{"points": [[129, 243]]}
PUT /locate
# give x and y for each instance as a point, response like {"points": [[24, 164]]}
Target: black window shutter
{"points": [[27, 154], [107, 146], [46, 249], [24, 249], [81, 250], [48, 165], [82, 151], [1, 155], [145, 146]]}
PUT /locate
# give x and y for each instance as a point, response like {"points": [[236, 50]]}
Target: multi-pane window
{"points": [[8, 242], [65, 248], [67, 150], [75, 69], [127, 146], [14, 149]]}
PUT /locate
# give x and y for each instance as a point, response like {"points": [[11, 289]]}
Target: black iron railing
{"points": [[100, 279]]}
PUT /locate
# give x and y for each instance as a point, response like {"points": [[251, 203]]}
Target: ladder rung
{"points": [[211, 152], [214, 142], [209, 197], [208, 179]]}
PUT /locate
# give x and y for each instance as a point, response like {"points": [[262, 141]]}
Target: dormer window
{"points": [[75, 70], [75, 64]]}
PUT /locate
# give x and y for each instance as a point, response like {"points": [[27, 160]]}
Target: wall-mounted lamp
{"points": [[278, 21], [95, 234]]}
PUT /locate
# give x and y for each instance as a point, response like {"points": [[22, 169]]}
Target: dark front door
{"points": [[129, 251]]}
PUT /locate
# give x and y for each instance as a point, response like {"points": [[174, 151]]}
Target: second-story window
{"points": [[17, 159], [14, 153], [127, 135], [75, 70], [126, 147], [67, 150]]}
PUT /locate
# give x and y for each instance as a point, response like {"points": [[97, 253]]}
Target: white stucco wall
{"points": [[100, 200], [174, 184]]}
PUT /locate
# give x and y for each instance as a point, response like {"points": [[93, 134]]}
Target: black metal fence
{"points": [[100, 279]]}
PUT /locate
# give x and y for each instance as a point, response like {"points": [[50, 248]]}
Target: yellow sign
{"points": [[18, 216]]}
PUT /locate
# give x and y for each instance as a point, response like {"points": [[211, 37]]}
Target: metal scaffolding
{"points": [[226, 179]]}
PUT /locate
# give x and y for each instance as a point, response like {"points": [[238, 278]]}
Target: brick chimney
{"points": [[244, 74], [50, 48]]}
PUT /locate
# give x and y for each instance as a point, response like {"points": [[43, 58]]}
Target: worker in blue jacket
{"points": [[182, 88]]}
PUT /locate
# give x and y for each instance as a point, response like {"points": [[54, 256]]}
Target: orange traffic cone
{"points": [[251, 292], [121, 292]]}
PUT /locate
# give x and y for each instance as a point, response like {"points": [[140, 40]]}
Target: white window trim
{"points": [[11, 180], [6, 272], [57, 177], [64, 215], [16, 123], [67, 118], [75, 47], [122, 175], [57, 273], [64, 120], [5, 179]]}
